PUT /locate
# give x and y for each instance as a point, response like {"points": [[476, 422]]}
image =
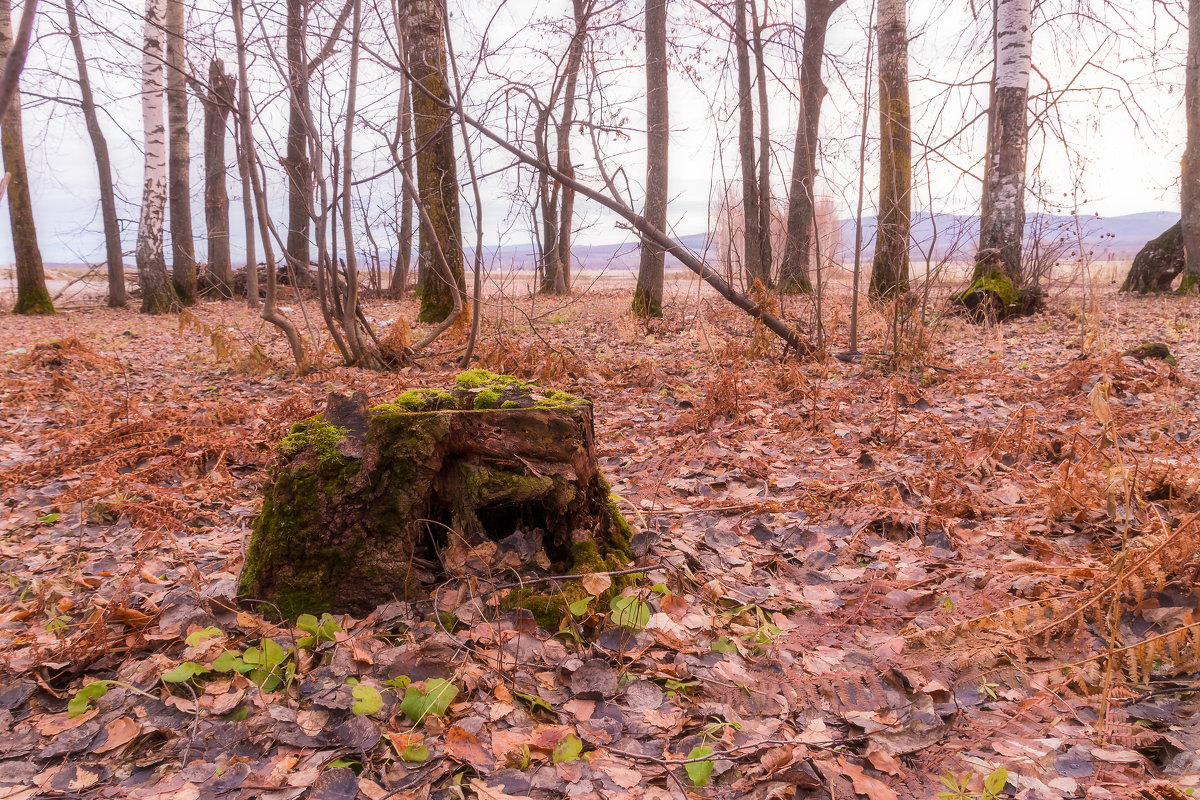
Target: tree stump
{"points": [[992, 295], [361, 496], [1157, 264]]}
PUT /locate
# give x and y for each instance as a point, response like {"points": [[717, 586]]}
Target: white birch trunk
{"points": [[1002, 217], [157, 292]]}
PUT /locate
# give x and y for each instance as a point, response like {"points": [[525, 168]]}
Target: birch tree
{"points": [[32, 297], [648, 295], [889, 271], [1190, 179], [158, 296], [801, 216], [1002, 217]]}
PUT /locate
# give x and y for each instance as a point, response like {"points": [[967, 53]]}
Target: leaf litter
{"points": [[854, 582]]}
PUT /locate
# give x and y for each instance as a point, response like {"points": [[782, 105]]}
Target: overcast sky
{"points": [[1118, 162]]}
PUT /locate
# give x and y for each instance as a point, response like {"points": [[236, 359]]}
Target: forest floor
{"points": [[976, 559]]}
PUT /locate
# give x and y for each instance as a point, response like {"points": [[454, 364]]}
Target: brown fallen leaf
{"points": [[461, 745], [118, 733], [884, 761], [485, 792], [864, 784]]}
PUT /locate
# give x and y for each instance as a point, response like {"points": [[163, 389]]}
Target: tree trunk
{"points": [[648, 296], [349, 321], [296, 164], [270, 312], [218, 102], [556, 201], [752, 238], [889, 272], [764, 148], [1002, 218], [113, 255], [158, 296], [32, 296], [1156, 265], [251, 267], [183, 248], [437, 171], [794, 272], [404, 231], [1190, 179], [454, 474]]}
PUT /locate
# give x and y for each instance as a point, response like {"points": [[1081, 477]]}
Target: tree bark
{"points": [[1002, 217], [183, 248], [1190, 179], [764, 147], [404, 231], [648, 295], [32, 296], [251, 267], [158, 296], [296, 164], [113, 255], [889, 271], [795, 270], [752, 238], [218, 102], [437, 171]]}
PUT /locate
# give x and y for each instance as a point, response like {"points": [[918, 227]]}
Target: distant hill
{"points": [[954, 235]]}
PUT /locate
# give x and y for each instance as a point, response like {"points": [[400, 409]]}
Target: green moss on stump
{"points": [[424, 400]]}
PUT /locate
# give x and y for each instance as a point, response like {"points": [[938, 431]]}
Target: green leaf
{"points": [[580, 607], [367, 700], [184, 672], [415, 753], [434, 698], [994, 783], [231, 661], [398, 682], [534, 702], [82, 699], [723, 644], [660, 588], [48, 518], [237, 715], [343, 762], [200, 637], [699, 772], [569, 749], [629, 612], [307, 623]]}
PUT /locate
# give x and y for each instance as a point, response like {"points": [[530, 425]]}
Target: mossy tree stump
{"points": [[360, 494], [1158, 263], [993, 295]]}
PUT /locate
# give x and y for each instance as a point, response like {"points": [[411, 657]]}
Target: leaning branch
{"points": [[773, 323]]}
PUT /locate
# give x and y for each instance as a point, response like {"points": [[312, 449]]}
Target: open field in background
{"points": [[76, 285]]}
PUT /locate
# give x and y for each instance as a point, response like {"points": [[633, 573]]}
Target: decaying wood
{"points": [[364, 500]]}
